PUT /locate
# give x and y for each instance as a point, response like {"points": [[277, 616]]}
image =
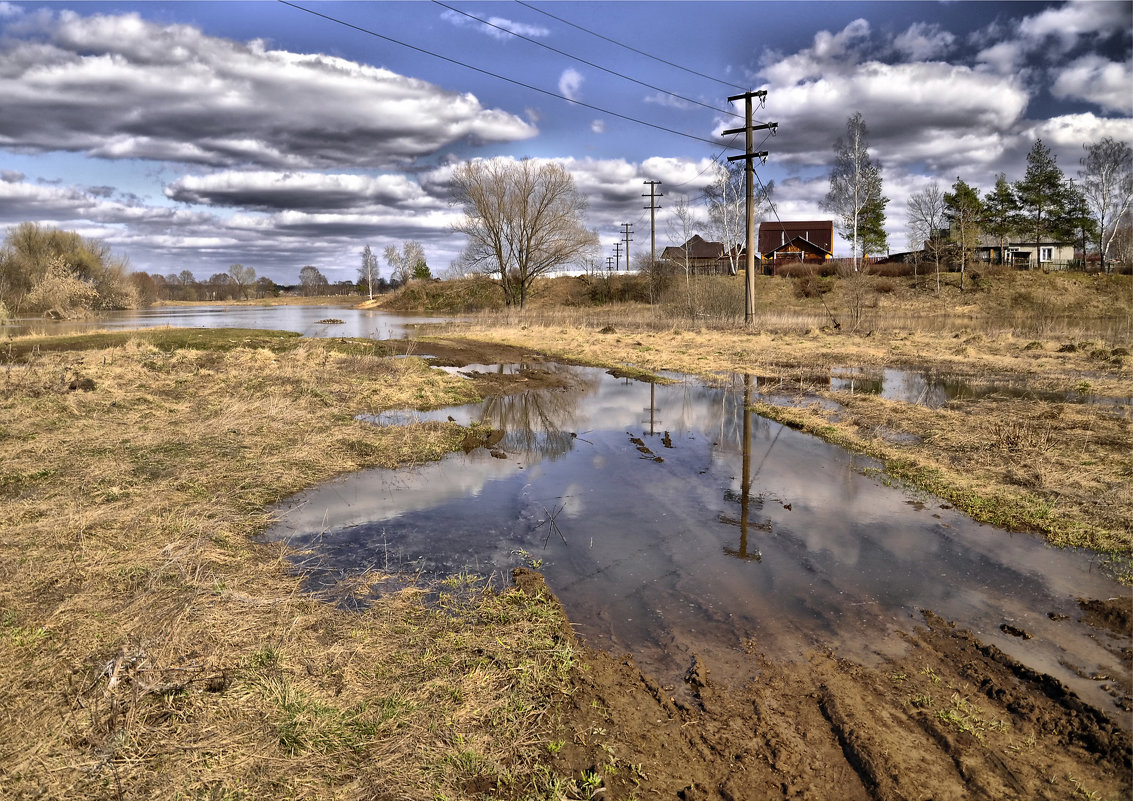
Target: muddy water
{"points": [[671, 522]]}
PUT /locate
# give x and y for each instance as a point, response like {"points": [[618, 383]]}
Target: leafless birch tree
{"points": [[1107, 183]]}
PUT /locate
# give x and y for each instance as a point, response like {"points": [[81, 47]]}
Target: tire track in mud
{"points": [[954, 718]]}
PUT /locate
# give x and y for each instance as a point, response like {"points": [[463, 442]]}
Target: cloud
{"points": [[9, 9], [917, 111], [509, 27], [1067, 25], [1107, 84], [922, 42], [268, 191], [598, 127], [11, 176], [570, 82], [122, 87]]}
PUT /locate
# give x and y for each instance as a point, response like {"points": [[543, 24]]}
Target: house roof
{"points": [[774, 235], [697, 248]]}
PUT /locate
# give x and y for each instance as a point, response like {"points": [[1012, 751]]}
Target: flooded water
{"points": [[670, 521], [310, 321], [934, 390]]}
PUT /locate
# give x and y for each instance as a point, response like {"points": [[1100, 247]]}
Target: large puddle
{"points": [[670, 521], [310, 321]]}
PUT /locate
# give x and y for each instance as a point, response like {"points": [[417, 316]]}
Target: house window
{"points": [[1046, 254]]}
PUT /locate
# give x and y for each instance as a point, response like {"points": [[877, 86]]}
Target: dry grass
{"points": [[148, 649]]}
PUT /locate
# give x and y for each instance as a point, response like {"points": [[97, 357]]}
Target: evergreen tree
{"points": [[1045, 200]]}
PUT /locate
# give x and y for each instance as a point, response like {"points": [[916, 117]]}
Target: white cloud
{"points": [[1068, 24], [509, 26], [839, 51], [9, 9], [922, 42], [1066, 134], [570, 82], [598, 127], [122, 87], [1108, 84], [914, 111]]}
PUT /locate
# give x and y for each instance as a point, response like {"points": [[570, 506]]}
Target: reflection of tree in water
{"points": [[539, 423]]}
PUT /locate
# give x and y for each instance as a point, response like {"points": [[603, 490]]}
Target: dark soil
{"points": [[951, 719]]}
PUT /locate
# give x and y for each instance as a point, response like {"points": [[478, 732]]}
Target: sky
{"points": [[192, 136]]}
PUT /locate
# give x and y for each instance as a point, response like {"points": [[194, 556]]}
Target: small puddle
{"points": [[670, 521], [933, 390]]}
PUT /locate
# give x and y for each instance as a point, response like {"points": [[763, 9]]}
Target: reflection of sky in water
{"points": [[303, 319], [932, 390], [651, 558]]}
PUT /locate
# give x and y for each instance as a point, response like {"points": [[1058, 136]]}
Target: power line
{"points": [[482, 71], [627, 47], [584, 61]]}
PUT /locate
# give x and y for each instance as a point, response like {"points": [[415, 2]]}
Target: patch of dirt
{"points": [[457, 352], [1112, 614], [953, 718]]}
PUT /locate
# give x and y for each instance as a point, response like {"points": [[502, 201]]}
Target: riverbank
{"points": [[150, 648]]}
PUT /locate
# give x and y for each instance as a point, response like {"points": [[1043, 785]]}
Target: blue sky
{"points": [[196, 135]]}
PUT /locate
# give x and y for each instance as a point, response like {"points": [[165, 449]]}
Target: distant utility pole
{"points": [[653, 195], [626, 231], [749, 173], [609, 263], [617, 256]]}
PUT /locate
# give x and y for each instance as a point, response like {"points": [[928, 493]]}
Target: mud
{"points": [[951, 719]]}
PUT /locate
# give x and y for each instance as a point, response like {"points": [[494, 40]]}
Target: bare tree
{"points": [[312, 281], [682, 227], [404, 263], [925, 211], [243, 277], [726, 199], [855, 191], [522, 219], [964, 211], [368, 272], [1107, 183]]}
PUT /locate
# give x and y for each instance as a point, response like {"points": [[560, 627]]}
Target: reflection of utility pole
{"points": [[653, 195], [653, 421], [745, 483], [617, 256]]}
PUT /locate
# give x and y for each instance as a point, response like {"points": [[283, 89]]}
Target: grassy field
{"points": [[151, 648]]}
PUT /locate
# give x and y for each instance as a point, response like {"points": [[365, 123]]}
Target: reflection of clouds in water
{"points": [[644, 555], [572, 501]]}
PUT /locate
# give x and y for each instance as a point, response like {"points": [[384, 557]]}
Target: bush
{"points": [[55, 272]]}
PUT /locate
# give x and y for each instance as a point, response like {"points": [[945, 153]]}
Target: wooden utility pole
{"points": [[617, 256], [609, 263], [749, 174], [626, 232], [653, 195]]}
